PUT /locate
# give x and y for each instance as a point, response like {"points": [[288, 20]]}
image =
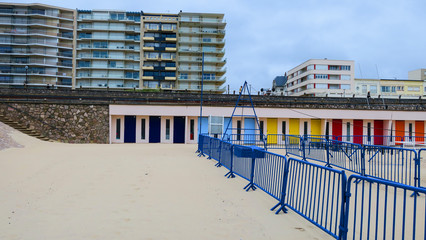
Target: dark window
{"points": [[191, 131], [305, 128], [118, 128], [143, 128], [327, 130], [283, 127], [261, 130], [238, 130], [348, 131], [167, 129], [369, 132], [410, 131]]}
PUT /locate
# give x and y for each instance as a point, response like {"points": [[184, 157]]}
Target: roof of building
{"points": [[280, 81]]}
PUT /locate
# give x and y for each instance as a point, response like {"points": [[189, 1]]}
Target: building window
{"points": [[183, 76], [348, 131], [369, 132], [321, 76], [191, 129], [261, 129], [364, 89], [118, 128], [327, 130], [410, 131], [321, 85], [321, 67], [333, 68], [238, 130], [143, 128], [283, 127], [209, 76], [345, 86], [373, 89], [345, 68], [305, 128], [167, 129], [345, 77], [413, 89]]}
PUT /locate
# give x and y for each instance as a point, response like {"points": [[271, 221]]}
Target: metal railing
{"points": [[380, 209], [322, 195]]}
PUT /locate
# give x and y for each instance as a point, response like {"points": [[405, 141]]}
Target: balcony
{"points": [[203, 20], [190, 69], [14, 12], [148, 38], [202, 31]]}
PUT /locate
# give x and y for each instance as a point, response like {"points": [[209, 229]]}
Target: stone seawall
{"points": [[71, 123]]}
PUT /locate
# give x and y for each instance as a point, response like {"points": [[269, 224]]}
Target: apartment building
{"points": [[389, 88], [201, 33], [159, 47], [36, 45], [418, 74], [51, 46], [321, 77], [108, 49]]}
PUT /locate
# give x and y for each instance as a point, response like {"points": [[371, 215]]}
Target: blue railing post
{"points": [[327, 149], [230, 174], [281, 203], [200, 150], [418, 168], [251, 184], [303, 139], [363, 150], [343, 227], [210, 148], [219, 164]]}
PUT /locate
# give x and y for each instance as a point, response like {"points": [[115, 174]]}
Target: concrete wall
{"points": [[73, 123]]}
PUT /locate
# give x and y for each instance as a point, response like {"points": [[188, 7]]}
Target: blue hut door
{"points": [[129, 129], [154, 129]]}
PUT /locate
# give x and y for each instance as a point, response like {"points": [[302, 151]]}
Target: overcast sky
{"points": [[385, 38]]}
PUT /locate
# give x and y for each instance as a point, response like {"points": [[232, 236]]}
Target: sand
{"points": [[131, 191]]}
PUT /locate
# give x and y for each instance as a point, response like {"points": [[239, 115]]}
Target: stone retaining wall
{"points": [[73, 123]]}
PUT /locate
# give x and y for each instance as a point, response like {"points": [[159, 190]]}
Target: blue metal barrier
{"points": [[321, 194], [293, 145], [242, 161], [349, 156], [215, 149], [419, 162], [246, 139], [316, 193], [226, 154], [392, 163], [315, 148], [380, 209], [275, 141], [269, 172]]}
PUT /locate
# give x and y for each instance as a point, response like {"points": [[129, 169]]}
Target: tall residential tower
{"points": [[51, 46]]}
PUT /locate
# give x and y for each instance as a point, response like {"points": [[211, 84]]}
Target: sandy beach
{"points": [[130, 191]]}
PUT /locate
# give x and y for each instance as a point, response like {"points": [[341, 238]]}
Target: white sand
{"points": [[131, 191]]}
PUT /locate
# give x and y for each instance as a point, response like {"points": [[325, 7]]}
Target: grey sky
{"points": [[267, 38]]}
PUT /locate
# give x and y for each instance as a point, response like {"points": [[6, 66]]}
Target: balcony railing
{"points": [[202, 20], [38, 12], [201, 31]]}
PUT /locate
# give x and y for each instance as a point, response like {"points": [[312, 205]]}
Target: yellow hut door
{"points": [[272, 130]]}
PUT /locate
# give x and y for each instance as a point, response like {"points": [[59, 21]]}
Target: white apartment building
{"points": [[321, 77], [42, 45]]}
